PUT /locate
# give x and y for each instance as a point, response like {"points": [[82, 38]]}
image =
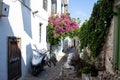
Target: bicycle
{"points": [[50, 59]]}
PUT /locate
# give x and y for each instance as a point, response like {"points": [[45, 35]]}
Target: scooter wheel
{"points": [[42, 67]]}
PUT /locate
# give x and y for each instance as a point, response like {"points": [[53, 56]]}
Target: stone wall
{"points": [[108, 52], [105, 60], [108, 49]]}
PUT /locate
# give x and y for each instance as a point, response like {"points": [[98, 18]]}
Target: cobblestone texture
{"points": [[68, 74], [58, 72], [49, 73]]}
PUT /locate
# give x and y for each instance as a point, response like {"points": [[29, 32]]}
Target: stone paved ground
{"points": [[68, 74], [58, 72], [49, 73]]}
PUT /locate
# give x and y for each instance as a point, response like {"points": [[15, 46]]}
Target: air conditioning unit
{"points": [[4, 9]]}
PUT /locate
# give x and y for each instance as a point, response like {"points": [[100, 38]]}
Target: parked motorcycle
{"points": [[38, 61], [41, 58]]}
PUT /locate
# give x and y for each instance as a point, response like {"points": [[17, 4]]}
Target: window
{"points": [[45, 5], [54, 7], [40, 26], [66, 8]]}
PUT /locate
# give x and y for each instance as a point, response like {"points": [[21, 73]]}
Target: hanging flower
{"points": [[60, 26]]}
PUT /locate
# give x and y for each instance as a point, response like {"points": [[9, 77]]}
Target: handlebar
{"points": [[42, 52]]}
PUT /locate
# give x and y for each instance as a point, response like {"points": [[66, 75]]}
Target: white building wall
{"points": [[40, 17], [49, 8], [22, 23], [59, 6]]}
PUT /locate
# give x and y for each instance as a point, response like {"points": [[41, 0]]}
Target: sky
{"points": [[81, 9]]}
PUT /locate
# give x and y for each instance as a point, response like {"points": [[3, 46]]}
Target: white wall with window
{"points": [[25, 17], [64, 6]]}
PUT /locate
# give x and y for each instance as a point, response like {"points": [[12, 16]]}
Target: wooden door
{"points": [[14, 58]]}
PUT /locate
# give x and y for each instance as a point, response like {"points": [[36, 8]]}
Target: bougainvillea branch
{"points": [[60, 26]]}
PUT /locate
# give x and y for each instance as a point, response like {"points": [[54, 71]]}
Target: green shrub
{"points": [[93, 32]]}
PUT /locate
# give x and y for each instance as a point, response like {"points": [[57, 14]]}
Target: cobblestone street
{"points": [[61, 71], [49, 73]]}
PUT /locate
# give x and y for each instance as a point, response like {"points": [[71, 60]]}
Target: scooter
{"points": [[38, 61], [41, 58]]}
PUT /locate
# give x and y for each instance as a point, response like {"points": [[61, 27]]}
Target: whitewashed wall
{"points": [[22, 23], [59, 6]]}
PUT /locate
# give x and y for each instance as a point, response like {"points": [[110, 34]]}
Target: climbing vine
{"points": [[93, 32]]}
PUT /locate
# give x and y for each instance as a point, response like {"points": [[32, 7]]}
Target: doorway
{"points": [[14, 58]]}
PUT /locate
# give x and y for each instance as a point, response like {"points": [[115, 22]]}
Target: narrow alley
{"points": [[61, 71]]}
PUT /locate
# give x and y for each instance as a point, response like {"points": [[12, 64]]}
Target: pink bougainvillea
{"points": [[61, 25]]}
